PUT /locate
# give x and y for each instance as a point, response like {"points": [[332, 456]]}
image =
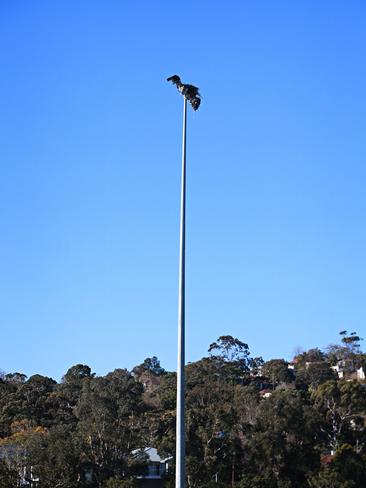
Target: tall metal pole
{"points": [[191, 94], [180, 431]]}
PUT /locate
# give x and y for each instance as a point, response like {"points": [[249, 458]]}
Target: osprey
{"points": [[190, 92]]}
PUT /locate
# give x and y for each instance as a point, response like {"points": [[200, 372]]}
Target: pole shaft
{"points": [[180, 431]]}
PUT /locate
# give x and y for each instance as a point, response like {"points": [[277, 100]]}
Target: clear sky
{"points": [[90, 148]]}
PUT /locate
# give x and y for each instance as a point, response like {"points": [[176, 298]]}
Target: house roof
{"points": [[152, 454], [327, 459]]}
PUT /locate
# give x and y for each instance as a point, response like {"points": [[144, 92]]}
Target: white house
{"points": [[156, 469], [360, 373]]}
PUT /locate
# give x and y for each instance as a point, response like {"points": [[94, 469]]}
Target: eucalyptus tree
{"points": [[343, 406]]}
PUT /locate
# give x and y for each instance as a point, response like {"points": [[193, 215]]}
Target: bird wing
{"points": [[174, 79]]}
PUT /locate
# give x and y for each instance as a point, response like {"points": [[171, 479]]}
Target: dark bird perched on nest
{"points": [[190, 92], [174, 79]]}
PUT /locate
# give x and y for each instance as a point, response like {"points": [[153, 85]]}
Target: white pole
{"points": [[180, 431]]}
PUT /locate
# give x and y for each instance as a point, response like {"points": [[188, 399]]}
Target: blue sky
{"points": [[90, 141]]}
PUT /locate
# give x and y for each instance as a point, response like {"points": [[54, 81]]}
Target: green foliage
{"points": [[342, 405], [346, 470], [54, 458], [150, 364], [117, 482], [254, 481], [9, 477], [231, 358], [350, 465], [311, 356], [348, 354], [277, 371], [85, 431], [313, 374], [108, 428], [77, 373], [15, 377], [281, 447], [351, 341]]}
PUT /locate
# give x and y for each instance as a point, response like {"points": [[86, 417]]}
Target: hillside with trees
{"points": [[250, 423]]}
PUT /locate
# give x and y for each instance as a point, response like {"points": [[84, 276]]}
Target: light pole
{"points": [[190, 94]]}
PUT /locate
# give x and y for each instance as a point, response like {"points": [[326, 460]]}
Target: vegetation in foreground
{"points": [[250, 423]]}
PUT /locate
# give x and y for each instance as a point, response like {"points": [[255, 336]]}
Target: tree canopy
{"points": [[249, 423]]}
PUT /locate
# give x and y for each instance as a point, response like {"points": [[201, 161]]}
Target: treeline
{"points": [[250, 423]]}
